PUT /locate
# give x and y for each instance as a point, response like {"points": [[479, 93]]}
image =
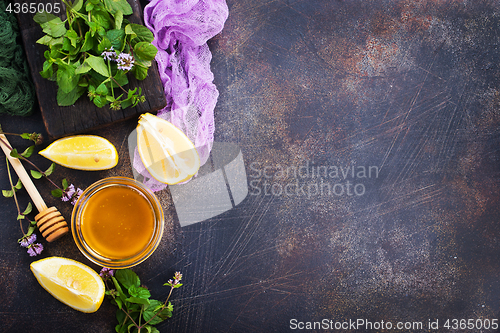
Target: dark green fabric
{"points": [[17, 95]]}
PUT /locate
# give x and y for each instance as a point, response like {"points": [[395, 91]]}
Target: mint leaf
{"points": [[31, 229], [10, 193], [43, 17], [50, 170], [54, 27], [116, 37], [83, 82], [28, 152], [67, 99], [121, 78], [145, 50], [65, 184], [73, 37], [139, 33], [77, 5], [83, 68], [100, 101], [118, 288], [156, 307], [67, 79], [14, 153], [102, 18], [98, 64], [127, 278], [138, 300], [104, 45], [47, 71], [118, 19], [88, 43], [102, 89], [120, 316], [140, 73], [66, 46], [118, 5], [45, 40], [140, 292], [57, 193], [7, 193], [36, 174], [28, 209]]}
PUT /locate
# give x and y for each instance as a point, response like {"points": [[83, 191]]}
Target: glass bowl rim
{"points": [[136, 259]]}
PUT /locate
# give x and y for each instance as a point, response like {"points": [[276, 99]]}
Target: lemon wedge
{"points": [[82, 152], [71, 282], [167, 153]]}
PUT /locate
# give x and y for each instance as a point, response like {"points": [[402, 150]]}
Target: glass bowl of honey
{"points": [[117, 222]]}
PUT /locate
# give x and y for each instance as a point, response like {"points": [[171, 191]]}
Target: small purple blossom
{"points": [[68, 193], [106, 273], [175, 282], [125, 61], [76, 196], [26, 241], [71, 194], [35, 249], [109, 54]]}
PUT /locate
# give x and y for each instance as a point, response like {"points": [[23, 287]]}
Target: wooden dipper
{"points": [[50, 222]]}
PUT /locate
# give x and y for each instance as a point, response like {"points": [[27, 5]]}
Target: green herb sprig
{"points": [[136, 311], [92, 51]]}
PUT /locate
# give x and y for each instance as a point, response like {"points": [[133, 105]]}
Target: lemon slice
{"points": [[71, 282], [167, 153], [82, 152]]}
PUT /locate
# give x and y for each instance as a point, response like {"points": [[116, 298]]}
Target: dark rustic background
{"points": [[411, 87]]}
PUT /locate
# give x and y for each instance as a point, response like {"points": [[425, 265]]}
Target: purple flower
{"points": [[125, 61], [71, 194], [68, 193], [35, 249], [109, 55], [26, 241], [175, 282], [106, 273], [76, 195]]}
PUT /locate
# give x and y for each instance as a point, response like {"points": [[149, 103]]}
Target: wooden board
{"points": [[83, 115]]}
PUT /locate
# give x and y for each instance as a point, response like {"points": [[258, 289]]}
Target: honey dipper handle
{"points": [[23, 175]]}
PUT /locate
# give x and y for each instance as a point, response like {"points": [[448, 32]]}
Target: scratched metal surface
{"points": [[409, 88]]}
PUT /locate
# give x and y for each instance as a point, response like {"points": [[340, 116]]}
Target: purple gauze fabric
{"points": [[181, 30]]}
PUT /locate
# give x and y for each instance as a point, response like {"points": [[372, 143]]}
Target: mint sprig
{"points": [[137, 312], [91, 51]]}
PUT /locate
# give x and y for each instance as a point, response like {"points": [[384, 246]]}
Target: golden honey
{"points": [[117, 222]]}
